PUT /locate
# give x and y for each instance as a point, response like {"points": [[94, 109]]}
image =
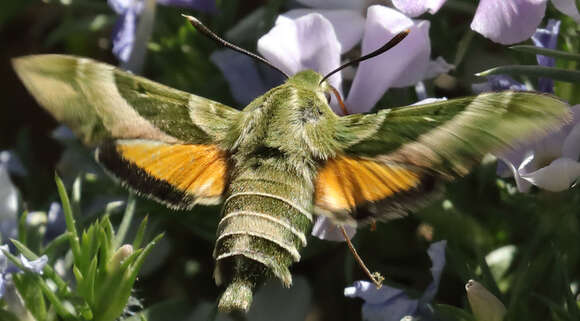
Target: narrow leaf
{"points": [[140, 233], [546, 52], [69, 219], [55, 243], [76, 195], [22, 230], [534, 71], [144, 254], [57, 305], [90, 285], [126, 222]]}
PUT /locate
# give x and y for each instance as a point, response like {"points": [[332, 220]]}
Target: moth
{"points": [[283, 159]]}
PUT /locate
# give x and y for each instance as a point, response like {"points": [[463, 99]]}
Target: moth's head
{"points": [[311, 81]]}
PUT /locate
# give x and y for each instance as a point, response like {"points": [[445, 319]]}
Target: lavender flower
{"points": [[129, 11], [392, 304], [552, 162], [505, 22], [34, 266], [9, 195], [3, 268], [311, 42]]}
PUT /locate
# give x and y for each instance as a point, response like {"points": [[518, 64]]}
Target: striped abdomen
{"points": [[266, 217]]}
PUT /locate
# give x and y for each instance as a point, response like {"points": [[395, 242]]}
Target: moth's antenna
{"points": [[210, 34], [393, 42]]}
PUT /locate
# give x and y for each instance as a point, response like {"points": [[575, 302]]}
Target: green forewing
{"points": [[449, 137], [98, 101]]}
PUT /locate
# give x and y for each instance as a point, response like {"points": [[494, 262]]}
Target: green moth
{"points": [[283, 159]]}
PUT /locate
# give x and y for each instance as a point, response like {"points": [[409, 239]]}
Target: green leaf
{"points": [[76, 195], [126, 222], [546, 52], [53, 245], [140, 233], [534, 71], [143, 255], [22, 228], [462, 47], [69, 219]]}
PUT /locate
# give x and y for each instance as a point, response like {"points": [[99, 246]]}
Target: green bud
{"points": [[485, 306]]}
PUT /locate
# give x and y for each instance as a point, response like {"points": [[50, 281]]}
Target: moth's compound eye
{"points": [[328, 96]]}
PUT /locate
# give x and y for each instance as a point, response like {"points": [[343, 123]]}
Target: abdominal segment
{"points": [[264, 225]]}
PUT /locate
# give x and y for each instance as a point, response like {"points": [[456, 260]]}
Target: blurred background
{"points": [[534, 238]]}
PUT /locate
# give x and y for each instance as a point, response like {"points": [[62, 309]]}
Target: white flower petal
{"points": [[556, 177], [325, 229], [308, 42], [335, 4], [413, 8], [348, 24], [508, 22], [403, 65], [568, 7]]}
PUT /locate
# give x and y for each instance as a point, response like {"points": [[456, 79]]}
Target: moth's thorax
{"points": [[292, 122]]}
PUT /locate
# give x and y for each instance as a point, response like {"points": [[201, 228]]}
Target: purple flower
{"points": [[505, 22], [392, 304], [129, 11], [547, 38]]}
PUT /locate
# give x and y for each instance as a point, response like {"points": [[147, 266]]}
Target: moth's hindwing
{"points": [[349, 189], [178, 175], [398, 154]]}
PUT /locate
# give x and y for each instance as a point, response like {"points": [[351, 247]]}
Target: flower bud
{"points": [[485, 306], [120, 255]]}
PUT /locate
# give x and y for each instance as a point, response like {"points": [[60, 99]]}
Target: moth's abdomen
{"points": [[264, 224]]}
